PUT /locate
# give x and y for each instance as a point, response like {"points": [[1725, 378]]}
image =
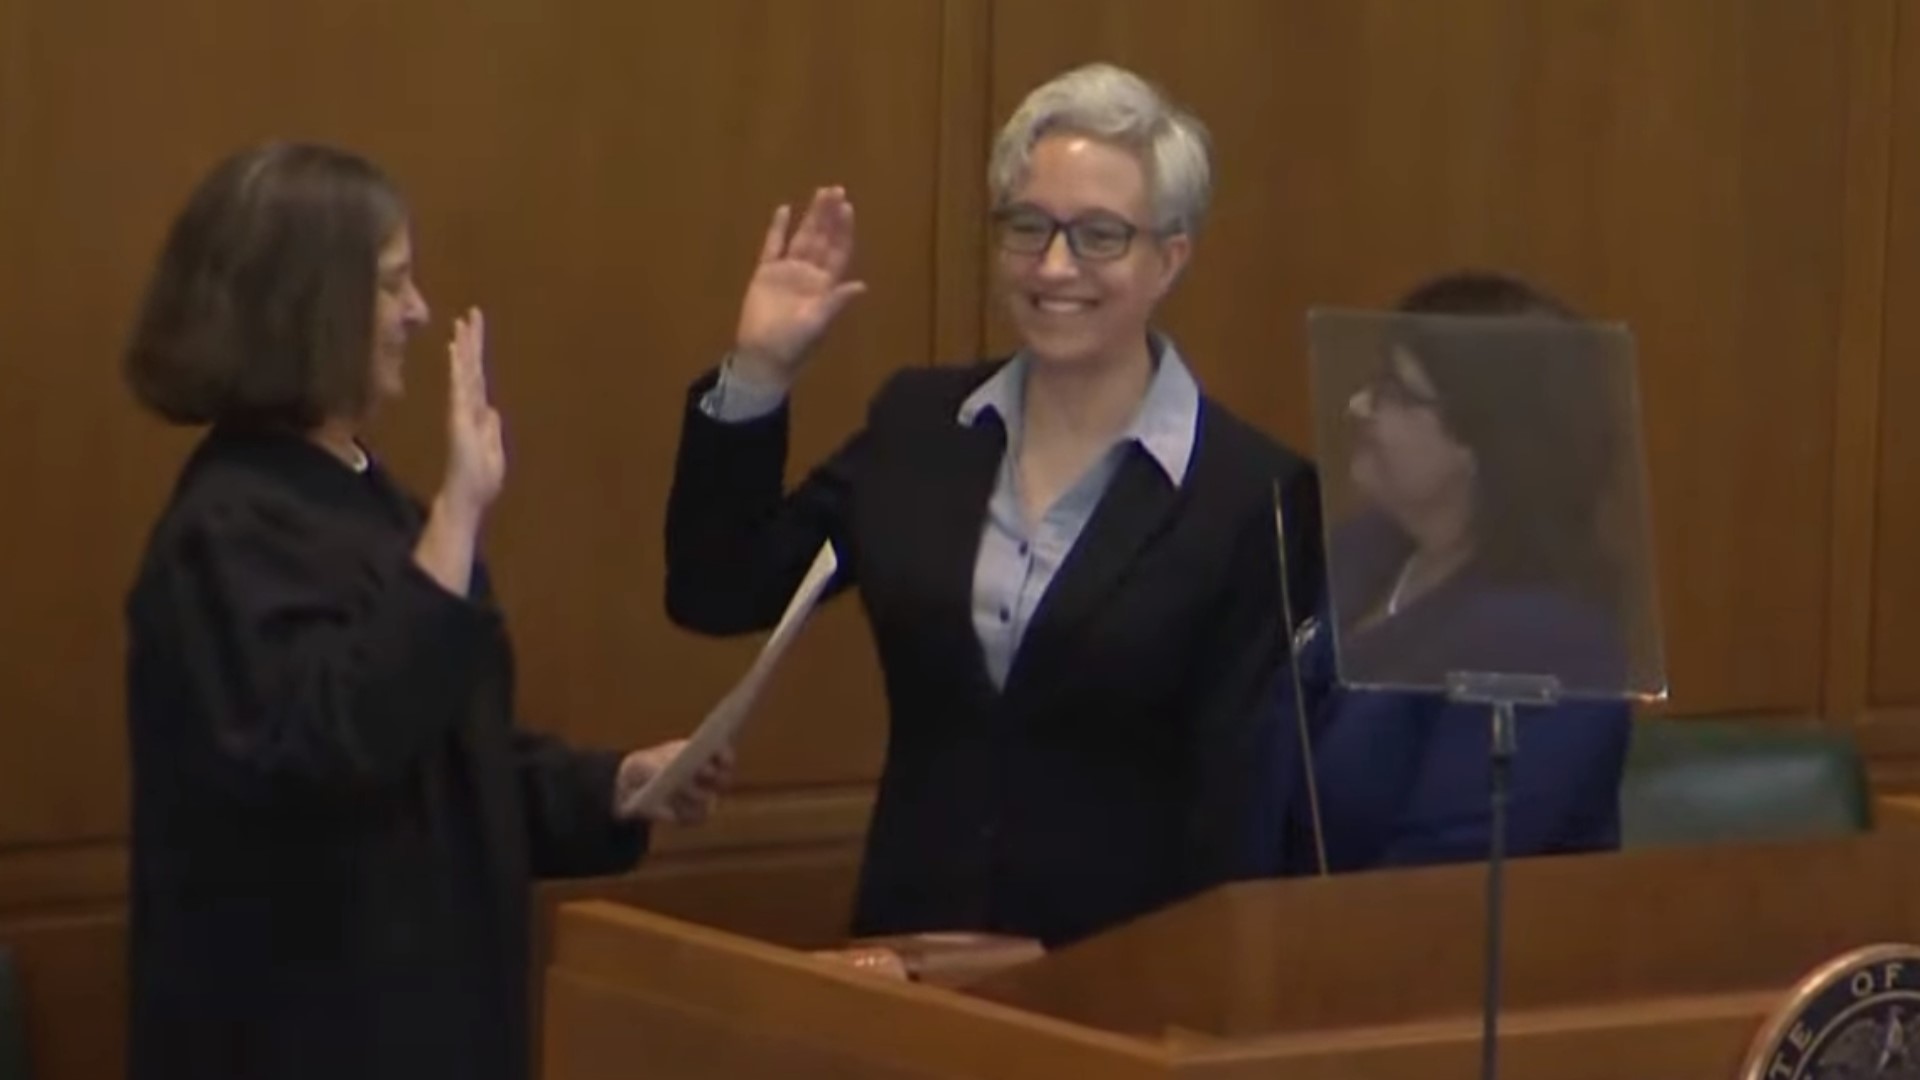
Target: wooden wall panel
{"points": [[69, 944], [1723, 174], [1859, 367], [599, 176], [667, 136], [1679, 166], [960, 203], [73, 980], [1896, 564]]}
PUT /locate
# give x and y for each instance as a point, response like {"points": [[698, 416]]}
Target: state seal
{"points": [[1856, 1018]]}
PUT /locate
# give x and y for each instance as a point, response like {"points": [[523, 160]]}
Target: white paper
{"points": [[725, 720]]}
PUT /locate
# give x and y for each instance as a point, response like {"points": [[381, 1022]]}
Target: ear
{"points": [[1175, 250]]}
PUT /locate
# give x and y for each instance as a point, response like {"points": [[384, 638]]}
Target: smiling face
{"points": [[1091, 305], [398, 310], [1404, 459]]}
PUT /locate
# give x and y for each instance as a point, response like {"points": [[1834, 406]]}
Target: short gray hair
{"points": [[1112, 104]]}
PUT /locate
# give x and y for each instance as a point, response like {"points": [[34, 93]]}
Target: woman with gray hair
{"points": [[1067, 556]]}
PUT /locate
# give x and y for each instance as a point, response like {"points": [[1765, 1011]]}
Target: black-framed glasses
{"points": [[1095, 237]]}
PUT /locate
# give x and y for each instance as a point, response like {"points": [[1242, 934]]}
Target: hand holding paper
{"points": [[688, 806], [717, 732]]}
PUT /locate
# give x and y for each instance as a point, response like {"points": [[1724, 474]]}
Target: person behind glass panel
{"points": [[1066, 556], [336, 820], [1480, 456]]}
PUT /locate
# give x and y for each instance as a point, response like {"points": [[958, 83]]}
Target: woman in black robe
{"points": [[336, 820]]}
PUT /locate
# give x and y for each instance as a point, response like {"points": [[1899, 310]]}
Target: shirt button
{"points": [[1025, 549], [1005, 615]]}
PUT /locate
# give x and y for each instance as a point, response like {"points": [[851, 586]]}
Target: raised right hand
{"points": [[476, 453], [797, 288]]}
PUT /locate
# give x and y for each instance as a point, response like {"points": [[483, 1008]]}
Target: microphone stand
{"points": [[1501, 694], [1296, 640]]}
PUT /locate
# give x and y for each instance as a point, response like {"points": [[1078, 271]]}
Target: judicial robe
{"points": [[335, 821]]}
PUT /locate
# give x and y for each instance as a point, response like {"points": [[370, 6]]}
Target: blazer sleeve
{"points": [[567, 795], [738, 543], [1244, 760]]}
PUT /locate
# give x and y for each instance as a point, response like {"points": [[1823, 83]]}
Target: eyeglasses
{"points": [[1096, 237], [1389, 388]]}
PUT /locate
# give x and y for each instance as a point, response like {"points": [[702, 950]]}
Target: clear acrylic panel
{"points": [[1485, 504]]}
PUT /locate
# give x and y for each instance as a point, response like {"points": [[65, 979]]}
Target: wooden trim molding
{"points": [[960, 204], [785, 819], [77, 876], [36, 879], [1860, 356]]}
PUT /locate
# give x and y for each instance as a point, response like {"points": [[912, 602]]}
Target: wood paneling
{"points": [[600, 182], [53, 877], [596, 1038], [780, 867], [1185, 964], [960, 205], [61, 876], [642, 185], [1307, 975], [1679, 166], [1731, 177], [1857, 372], [73, 978], [1896, 569]]}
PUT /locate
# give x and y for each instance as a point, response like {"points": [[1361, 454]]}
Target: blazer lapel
{"points": [[1137, 504], [944, 517]]}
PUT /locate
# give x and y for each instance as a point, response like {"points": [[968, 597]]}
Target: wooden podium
{"points": [[1657, 965]]}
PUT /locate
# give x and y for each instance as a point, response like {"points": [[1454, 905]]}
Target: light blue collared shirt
{"points": [[1017, 561]]}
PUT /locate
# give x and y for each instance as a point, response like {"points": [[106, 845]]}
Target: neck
{"points": [[1086, 403], [341, 438], [1443, 541], [1442, 544]]}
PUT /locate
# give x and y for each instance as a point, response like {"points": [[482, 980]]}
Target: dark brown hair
{"points": [[1481, 292], [1524, 388], [259, 312]]}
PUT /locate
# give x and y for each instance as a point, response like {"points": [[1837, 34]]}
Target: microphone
{"points": [[1297, 639]]}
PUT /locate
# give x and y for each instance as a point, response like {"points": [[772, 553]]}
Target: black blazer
{"points": [[1134, 755]]}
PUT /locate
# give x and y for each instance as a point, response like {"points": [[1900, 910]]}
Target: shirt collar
{"points": [[1165, 425]]}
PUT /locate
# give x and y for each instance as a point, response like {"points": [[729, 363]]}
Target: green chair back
{"points": [[1712, 781]]}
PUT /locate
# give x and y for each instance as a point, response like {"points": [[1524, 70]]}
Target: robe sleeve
{"points": [[567, 794], [309, 669], [569, 799]]}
